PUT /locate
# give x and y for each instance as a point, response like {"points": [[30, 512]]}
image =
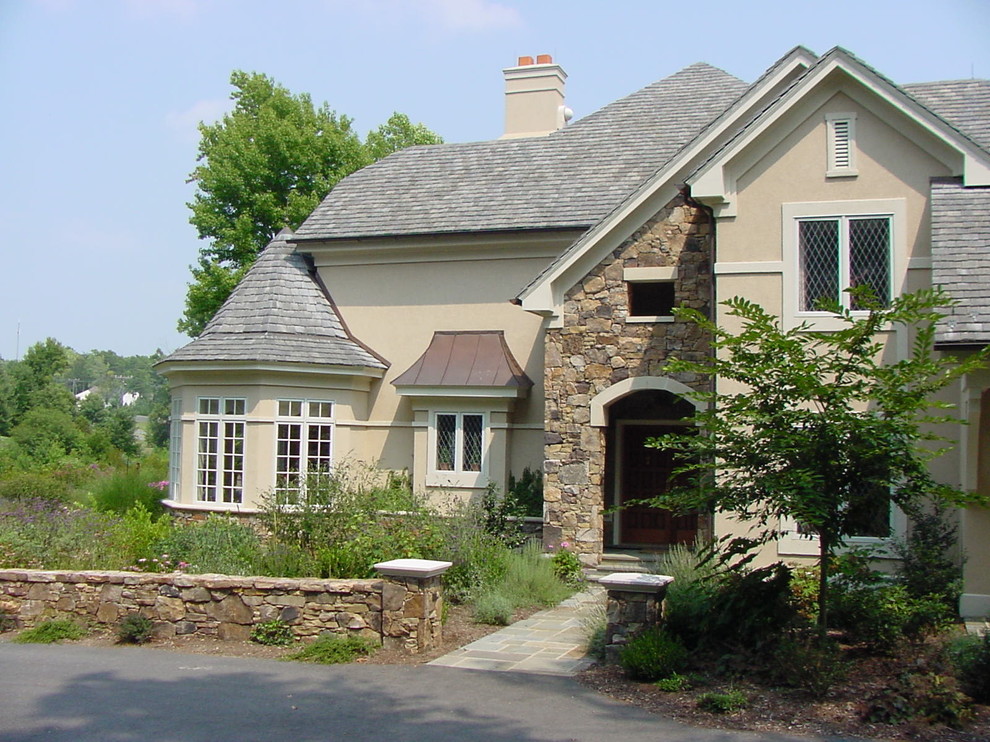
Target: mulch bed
{"points": [[794, 711]]}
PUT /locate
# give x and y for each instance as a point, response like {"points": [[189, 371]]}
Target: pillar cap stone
{"points": [[422, 568], [635, 582]]}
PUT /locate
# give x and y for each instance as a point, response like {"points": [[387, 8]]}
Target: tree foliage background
{"points": [[266, 165], [821, 430]]}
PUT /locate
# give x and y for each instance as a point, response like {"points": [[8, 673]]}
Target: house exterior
{"points": [[464, 311]]}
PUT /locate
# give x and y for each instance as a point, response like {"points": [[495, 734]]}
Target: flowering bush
{"points": [[566, 564]]}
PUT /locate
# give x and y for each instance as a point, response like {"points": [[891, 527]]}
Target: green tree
{"points": [[397, 133], [821, 430], [264, 166]]}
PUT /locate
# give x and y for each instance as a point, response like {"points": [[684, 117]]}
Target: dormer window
{"points": [[841, 145]]}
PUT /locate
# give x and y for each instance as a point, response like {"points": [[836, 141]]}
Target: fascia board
{"points": [[470, 392], [168, 367], [545, 296]]}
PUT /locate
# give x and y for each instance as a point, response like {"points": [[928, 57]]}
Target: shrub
{"points": [[528, 491], [134, 536], [676, 683], [806, 661], [723, 703], [884, 615], [530, 580], [493, 608], [333, 650], [51, 632], [134, 629], [970, 659], [274, 633], [928, 696], [32, 485], [501, 514], [927, 567], [595, 625], [653, 655], [749, 608], [126, 488], [689, 597], [567, 566], [217, 544], [480, 560], [45, 534]]}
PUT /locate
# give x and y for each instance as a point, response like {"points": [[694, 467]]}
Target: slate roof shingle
{"points": [[961, 260], [278, 313], [963, 103], [568, 179]]}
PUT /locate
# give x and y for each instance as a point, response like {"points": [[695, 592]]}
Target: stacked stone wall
{"points": [[597, 346], [399, 613]]}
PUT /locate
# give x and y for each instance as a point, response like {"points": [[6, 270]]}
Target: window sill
{"points": [[214, 507], [462, 480], [663, 318]]}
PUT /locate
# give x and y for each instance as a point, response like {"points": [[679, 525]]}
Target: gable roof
{"points": [[961, 260], [963, 103], [568, 179], [709, 179], [278, 313]]}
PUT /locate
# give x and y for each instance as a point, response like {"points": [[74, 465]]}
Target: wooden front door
{"points": [[644, 473]]}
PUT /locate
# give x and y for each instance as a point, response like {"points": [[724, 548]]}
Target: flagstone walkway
{"points": [[551, 642]]}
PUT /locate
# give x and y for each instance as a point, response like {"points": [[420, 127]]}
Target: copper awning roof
{"points": [[472, 358]]}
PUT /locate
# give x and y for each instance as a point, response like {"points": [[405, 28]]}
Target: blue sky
{"points": [[101, 98]]}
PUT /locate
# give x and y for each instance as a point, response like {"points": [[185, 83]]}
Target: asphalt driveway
{"points": [[63, 692]]}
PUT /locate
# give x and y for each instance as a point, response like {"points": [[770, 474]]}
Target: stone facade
{"points": [[397, 612], [597, 347]]}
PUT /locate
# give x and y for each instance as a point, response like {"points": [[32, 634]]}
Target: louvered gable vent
{"points": [[841, 143]]}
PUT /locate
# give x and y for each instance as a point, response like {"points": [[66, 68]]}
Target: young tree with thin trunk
{"points": [[816, 428]]}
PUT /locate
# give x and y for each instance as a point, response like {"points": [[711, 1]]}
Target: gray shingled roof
{"points": [[278, 313], [961, 260], [568, 179], [963, 103]]}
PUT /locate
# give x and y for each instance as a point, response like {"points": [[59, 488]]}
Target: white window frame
{"points": [[175, 449], [792, 214], [225, 428], [458, 476], [308, 420], [663, 274], [792, 543], [841, 143]]}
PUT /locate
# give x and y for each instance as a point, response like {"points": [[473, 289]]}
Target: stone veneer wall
{"points": [[401, 613], [596, 347]]}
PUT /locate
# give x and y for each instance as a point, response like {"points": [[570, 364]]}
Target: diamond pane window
{"points": [[471, 451], [869, 255], [841, 252], [446, 441], [819, 243]]}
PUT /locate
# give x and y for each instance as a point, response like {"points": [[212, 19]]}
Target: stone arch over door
{"points": [[629, 414]]}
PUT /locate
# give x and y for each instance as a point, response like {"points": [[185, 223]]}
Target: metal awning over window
{"points": [[475, 363]]}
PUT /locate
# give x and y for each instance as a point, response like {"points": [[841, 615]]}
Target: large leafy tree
{"points": [[266, 165], [819, 430]]}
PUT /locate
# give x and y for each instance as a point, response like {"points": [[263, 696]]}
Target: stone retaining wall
{"points": [[398, 612]]}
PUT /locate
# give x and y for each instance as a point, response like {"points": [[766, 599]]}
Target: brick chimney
{"points": [[534, 98]]}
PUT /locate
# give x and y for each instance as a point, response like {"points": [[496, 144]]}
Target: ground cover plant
{"points": [[333, 649], [51, 632]]}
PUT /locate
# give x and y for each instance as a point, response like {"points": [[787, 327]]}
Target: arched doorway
{"points": [[634, 471]]}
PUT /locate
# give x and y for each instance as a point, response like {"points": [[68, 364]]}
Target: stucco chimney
{"points": [[534, 98]]}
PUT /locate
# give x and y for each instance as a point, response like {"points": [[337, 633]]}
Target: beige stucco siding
{"points": [[396, 302]]}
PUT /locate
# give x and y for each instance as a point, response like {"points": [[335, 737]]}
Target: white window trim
{"points": [[304, 420], [175, 449], [457, 478], [660, 274], [220, 418], [791, 543], [792, 213], [841, 142]]}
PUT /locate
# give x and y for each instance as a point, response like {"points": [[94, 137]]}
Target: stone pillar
{"points": [[635, 605], [412, 603]]}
